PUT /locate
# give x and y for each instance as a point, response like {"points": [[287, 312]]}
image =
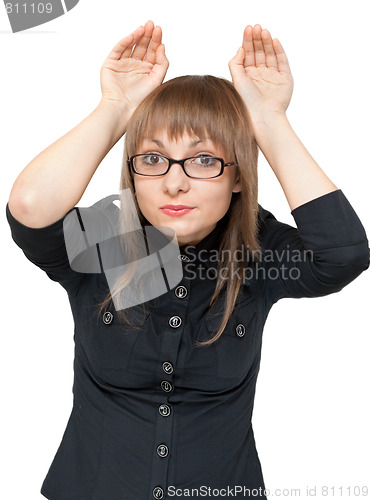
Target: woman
{"points": [[163, 403]]}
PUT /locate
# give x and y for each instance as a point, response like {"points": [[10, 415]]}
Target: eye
{"points": [[152, 159], [205, 160]]}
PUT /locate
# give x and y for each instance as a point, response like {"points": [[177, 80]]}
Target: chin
{"points": [[184, 235], [181, 227]]}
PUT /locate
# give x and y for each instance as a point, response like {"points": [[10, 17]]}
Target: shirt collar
{"points": [[206, 251]]}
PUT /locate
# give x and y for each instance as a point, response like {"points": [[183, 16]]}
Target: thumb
{"points": [[238, 59], [161, 62], [160, 56]]}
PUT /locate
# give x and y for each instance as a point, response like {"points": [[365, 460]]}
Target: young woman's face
{"points": [[210, 198]]}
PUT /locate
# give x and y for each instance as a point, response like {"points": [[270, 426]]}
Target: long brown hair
{"points": [[203, 106]]}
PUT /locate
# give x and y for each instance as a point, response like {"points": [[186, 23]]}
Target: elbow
{"points": [[20, 201], [18, 207], [358, 257], [22, 209], [342, 265]]}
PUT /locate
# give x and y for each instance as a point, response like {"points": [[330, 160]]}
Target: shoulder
{"points": [[266, 219]]}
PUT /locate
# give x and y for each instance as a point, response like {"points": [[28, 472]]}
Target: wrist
{"points": [[267, 118], [118, 107], [118, 112], [267, 123]]}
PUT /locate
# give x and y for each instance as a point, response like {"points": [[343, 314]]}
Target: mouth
{"points": [[176, 210]]}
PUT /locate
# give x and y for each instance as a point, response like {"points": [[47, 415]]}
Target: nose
{"points": [[175, 179]]}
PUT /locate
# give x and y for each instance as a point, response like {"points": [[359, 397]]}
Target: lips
{"points": [[176, 207], [176, 210]]}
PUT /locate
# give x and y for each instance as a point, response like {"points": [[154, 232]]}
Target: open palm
{"points": [[135, 66], [260, 72]]}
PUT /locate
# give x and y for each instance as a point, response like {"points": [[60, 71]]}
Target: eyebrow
{"points": [[160, 144]]}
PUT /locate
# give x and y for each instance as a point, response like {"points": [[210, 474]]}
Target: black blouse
{"points": [[154, 416]]}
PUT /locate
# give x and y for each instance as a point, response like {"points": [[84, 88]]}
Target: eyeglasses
{"points": [[197, 167]]}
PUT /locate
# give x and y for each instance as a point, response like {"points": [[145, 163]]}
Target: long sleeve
{"points": [[326, 251], [45, 247]]}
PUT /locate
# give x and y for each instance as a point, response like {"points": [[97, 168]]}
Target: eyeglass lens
{"points": [[201, 166]]}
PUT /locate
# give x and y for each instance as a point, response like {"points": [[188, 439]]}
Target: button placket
{"points": [[107, 318], [181, 292], [158, 492], [162, 450], [175, 321], [171, 342], [166, 386], [167, 367], [164, 410]]}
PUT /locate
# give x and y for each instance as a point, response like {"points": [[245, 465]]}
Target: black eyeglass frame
{"points": [[171, 161]]}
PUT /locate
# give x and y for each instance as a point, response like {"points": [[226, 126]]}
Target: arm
{"points": [[300, 177], [53, 182], [262, 76], [329, 247], [327, 250]]}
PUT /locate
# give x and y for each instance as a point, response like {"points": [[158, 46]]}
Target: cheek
{"points": [[215, 201], [146, 197], [144, 190]]}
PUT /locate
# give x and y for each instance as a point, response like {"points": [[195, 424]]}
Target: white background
{"points": [[311, 415]]}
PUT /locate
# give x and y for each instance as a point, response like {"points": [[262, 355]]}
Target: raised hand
{"points": [[136, 65], [261, 74]]}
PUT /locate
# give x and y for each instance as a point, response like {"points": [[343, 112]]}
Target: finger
{"points": [[161, 62], [237, 62], [137, 34], [248, 46], [118, 50], [236, 65], [154, 44], [142, 46], [282, 60], [270, 55], [259, 51]]}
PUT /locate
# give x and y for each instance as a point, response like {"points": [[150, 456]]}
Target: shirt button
{"points": [[175, 321], [162, 450], [166, 386], [240, 330], [107, 318], [164, 410], [184, 257], [181, 292], [158, 492], [167, 367]]}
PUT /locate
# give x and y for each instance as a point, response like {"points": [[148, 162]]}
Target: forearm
{"points": [[300, 176], [54, 182]]}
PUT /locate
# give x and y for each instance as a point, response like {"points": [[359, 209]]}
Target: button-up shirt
{"points": [[153, 415]]}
